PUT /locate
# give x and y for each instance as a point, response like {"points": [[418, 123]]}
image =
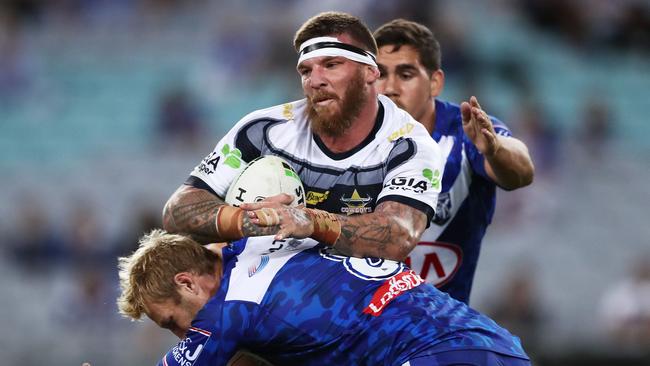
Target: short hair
{"points": [[336, 23], [148, 273], [400, 32]]}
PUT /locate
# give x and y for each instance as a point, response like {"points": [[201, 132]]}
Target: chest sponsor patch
{"points": [[390, 289]]}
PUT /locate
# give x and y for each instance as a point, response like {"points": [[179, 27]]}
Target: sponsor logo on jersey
{"points": [[188, 349], [355, 204], [433, 176], [443, 209], [255, 268], [436, 262], [403, 131], [390, 289], [415, 185], [230, 158], [314, 198], [287, 111]]}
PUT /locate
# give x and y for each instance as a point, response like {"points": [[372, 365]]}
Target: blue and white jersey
{"points": [[296, 302], [449, 249], [398, 161]]}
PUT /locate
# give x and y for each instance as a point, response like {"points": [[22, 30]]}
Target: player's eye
{"points": [[406, 76]]}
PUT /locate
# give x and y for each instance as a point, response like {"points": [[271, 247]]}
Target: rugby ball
{"points": [[264, 177]]}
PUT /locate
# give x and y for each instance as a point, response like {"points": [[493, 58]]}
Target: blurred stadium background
{"points": [[106, 105]]}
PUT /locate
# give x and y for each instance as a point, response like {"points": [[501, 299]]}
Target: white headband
{"points": [[330, 46]]}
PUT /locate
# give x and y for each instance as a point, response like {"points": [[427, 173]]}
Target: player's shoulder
{"points": [[400, 128], [398, 124], [285, 111]]}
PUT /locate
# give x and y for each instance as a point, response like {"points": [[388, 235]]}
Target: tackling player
{"points": [[298, 303], [354, 150], [480, 154]]}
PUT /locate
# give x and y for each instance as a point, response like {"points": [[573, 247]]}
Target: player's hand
{"points": [[274, 211], [282, 198], [478, 127]]}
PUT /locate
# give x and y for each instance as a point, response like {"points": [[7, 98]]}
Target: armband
{"points": [[327, 227], [229, 222]]}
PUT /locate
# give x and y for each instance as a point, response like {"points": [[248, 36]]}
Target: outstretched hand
{"points": [[274, 211], [478, 127]]}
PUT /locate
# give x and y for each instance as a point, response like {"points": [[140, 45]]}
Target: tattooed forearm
{"points": [[392, 231], [251, 229], [192, 211]]}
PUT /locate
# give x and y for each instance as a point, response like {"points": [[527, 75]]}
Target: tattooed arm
{"points": [[194, 211], [390, 232]]}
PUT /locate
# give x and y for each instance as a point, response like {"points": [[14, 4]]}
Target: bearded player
{"points": [[370, 171]]}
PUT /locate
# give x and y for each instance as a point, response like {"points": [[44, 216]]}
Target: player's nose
{"points": [[388, 86], [317, 78]]}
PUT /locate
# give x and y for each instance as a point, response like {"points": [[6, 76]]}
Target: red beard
{"points": [[329, 121]]}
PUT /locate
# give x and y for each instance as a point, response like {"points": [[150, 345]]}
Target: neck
{"points": [[358, 131], [428, 119]]}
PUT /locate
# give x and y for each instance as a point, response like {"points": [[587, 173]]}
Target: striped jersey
{"points": [[398, 161], [448, 251], [296, 302]]}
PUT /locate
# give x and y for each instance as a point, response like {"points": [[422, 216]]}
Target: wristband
{"points": [[327, 227], [229, 222]]}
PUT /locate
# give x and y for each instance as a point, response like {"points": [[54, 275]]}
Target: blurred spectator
{"points": [[518, 308], [633, 29], [178, 121], [565, 18], [534, 127], [595, 127], [87, 246], [146, 219], [14, 71], [622, 25], [625, 309], [35, 245]]}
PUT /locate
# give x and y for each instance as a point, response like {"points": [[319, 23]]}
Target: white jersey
{"points": [[398, 161]]}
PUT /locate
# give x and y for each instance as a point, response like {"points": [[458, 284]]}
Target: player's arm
{"points": [[390, 232], [507, 161], [207, 218], [510, 166]]}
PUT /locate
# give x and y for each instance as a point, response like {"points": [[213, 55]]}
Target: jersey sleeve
{"points": [[476, 159], [198, 348], [229, 158], [414, 172]]}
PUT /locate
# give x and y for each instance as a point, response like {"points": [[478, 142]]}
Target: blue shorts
{"points": [[472, 357]]}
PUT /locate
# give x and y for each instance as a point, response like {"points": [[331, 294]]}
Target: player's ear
{"points": [[185, 282], [372, 74], [437, 82]]}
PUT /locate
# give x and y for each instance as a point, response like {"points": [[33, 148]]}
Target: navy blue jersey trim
{"points": [[243, 142], [197, 182], [418, 205], [403, 157], [371, 137]]}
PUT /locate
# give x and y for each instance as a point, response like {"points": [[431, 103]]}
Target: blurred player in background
{"points": [[480, 154], [296, 302], [354, 150]]}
